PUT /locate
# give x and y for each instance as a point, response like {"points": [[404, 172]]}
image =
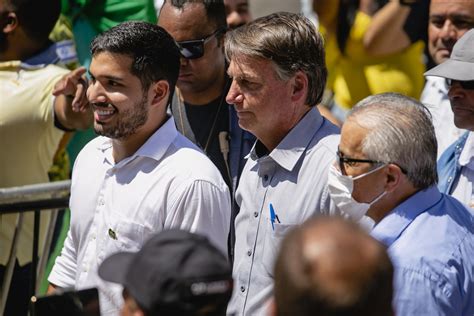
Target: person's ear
{"points": [[394, 175], [299, 86], [11, 23], [160, 91]]}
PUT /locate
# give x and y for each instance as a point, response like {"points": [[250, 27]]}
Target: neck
{"points": [[392, 200], [274, 137], [123, 148], [22, 49], [206, 96]]}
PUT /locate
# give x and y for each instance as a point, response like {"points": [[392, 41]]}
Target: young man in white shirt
{"points": [[142, 176]]}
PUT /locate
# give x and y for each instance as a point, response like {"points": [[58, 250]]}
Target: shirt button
{"points": [[249, 253], [101, 202], [242, 289], [265, 177], [255, 214], [450, 179]]}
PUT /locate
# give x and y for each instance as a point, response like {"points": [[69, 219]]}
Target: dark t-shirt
{"points": [[201, 119]]}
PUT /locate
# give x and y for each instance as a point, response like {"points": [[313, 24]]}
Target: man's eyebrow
{"points": [[107, 77], [461, 16], [242, 76]]}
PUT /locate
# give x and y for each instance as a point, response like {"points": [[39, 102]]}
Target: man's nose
{"points": [[95, 92], [234, 95], [448, 31], [234, 20]]}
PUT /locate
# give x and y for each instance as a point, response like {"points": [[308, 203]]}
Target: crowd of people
{"points": [[243, 166]]}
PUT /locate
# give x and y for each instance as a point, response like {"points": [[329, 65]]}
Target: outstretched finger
{"points": [[80, 98], [67, 85]]}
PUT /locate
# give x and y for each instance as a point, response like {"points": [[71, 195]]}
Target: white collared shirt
{"points": [[167, 183], [293, 180], [435, 98], [463, 190]]}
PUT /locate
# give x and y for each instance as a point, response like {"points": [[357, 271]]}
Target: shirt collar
{"points": [[438, 83], [289, 150], [467, 153], [46, 57], [155, 147], [392, 226]]}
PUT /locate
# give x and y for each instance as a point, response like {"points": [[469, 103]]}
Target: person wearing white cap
{"points": [[456, 166], [448, 22]]}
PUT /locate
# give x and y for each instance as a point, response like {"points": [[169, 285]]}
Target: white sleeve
{"points": [[204, 208], [64, 270]]}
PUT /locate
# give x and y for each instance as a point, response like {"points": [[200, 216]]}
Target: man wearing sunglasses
{"points": [[455, 166], [387, 169], [199, 106]]}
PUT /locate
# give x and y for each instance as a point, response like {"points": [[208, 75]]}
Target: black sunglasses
{"points": [[194, 49], [466, 85]]}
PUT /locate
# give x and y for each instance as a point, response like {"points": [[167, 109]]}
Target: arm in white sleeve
{"points": [[64, 270]]}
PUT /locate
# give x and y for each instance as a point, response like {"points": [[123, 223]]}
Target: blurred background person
{"points": [[353, 71], [237, 12], [330, 266], [449, 20], [33, 122]]}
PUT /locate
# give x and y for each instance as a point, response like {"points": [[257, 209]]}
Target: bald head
{"points": [[329, 266]]}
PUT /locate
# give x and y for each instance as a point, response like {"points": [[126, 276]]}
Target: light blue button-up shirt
{"points": [[293, 180], [430, 239]]}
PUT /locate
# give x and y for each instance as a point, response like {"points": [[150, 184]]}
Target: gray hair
{"points": [[290, 41], [400, 132]]}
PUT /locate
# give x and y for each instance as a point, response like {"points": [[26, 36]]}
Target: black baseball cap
{"points": [[175, 273]]}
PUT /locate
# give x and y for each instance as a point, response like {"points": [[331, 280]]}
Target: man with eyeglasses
{"points": [[387, 170], [455, 166], [199, 106], [448, 21]]}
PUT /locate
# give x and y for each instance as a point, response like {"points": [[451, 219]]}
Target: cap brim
{"points": [[453, 69], [114, 268]]}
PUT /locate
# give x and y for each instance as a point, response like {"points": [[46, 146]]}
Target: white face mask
{"points": [[340, 189]]}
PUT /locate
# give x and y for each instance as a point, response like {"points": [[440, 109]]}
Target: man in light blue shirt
{"points": [[456, 166], [284, 181], [387, 170]]}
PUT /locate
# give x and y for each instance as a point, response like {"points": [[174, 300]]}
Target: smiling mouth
{"points": [[103, 111]]}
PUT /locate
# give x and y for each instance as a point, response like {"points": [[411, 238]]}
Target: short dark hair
{"points": [[330, 267], [37, 17], [154, 52], [290, 41], [215, 10]]}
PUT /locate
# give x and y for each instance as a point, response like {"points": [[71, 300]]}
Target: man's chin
{"points": [[441, 57]]}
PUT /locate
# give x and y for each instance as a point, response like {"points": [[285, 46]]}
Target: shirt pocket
{"points": [[273, 238], [126, 236]]}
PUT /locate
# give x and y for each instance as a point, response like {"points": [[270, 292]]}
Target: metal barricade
{"points": [[37, 198]]}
